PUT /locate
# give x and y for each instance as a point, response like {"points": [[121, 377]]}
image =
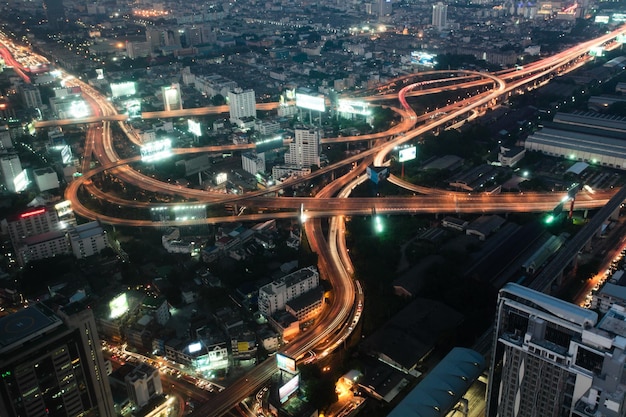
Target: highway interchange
{"points": [[332, 202]]}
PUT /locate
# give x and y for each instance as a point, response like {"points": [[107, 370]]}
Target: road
{"points": [[332, 253]]}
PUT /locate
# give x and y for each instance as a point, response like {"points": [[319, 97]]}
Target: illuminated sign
{"points": [[618, 17], [221, 178], [621, 38], [20, 182], [156, 150], [32, 213], [63, 208], [407, 154], [99, 74], [354, 107], [265, 145], [133, 108], [423, 58], [194, 127], [289, 388], [171, 98], [127, 88], [285, 363], [79, 109], [194, 347], [596, 51], [118, 306], [306, 101], [601, 19]]}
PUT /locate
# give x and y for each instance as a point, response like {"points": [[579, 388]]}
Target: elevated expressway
{"points": [[330, 204]]}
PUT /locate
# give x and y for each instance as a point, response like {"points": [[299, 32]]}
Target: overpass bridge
{"points": [[554, 270]]}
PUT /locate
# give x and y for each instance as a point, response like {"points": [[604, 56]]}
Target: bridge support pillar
{"points": [[615, 214]]}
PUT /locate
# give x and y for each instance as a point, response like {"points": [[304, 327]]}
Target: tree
{"points": [[218, 100]]}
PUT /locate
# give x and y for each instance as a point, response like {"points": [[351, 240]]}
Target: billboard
{"points": [[423, 58], [127, 88], [621, 38], [194, 347], [601, 19], [268, 144], [285, 363], [596, 51], [156, 150], [194, 127], [20, 182], [407, 154], [354, 107], [63, 208], [133, 108], [118, 306], [289, 388], [306, 101]]}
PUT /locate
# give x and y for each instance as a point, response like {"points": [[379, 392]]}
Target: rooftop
{"points": [[25, 325]]}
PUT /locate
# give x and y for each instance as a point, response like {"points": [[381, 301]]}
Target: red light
{"points": [[32, 213]]}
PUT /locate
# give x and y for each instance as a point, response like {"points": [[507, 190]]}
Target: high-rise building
{"points": [[11, 168], [46, 179], [275, 295], [304, 151], [87, 239], [384, 7], [241, 104], [143, 383], [171, 97], [55, 13], [440, 15], [51, 364], [551, 358], [5, 139], [31, 96], [32, 222]]}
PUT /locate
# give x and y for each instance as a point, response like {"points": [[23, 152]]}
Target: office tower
{"points": [[51, 364], [11, 169], [32, 222], [275, 295], [304, 151], [143, 383], [384, 7], [440, 16], [5, 139], [31, 96], [55, 13], [552, 358], [241, 104], [171, 97]]}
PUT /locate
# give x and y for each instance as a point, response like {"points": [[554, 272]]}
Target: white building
{"points": [[46, 179], [32, 222], [253, 162], [440, 15], [42, 246], [5, 138], [143, 383], [171, 97], [12, 173], [87, 239], [275, 295], [242, 104], [304, 151], [553, 358]]}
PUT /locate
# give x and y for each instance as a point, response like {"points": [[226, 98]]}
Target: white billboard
{"points": [[194, 127], [20, 182], [354, 107], [289, 388], [118, 306], [407, 154], [155, 150], [194, 347], [306, 101], [285, 363], [127, 88]]}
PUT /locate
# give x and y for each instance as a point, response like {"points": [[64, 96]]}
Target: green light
{"points": [[378, 224], [549, 219]]}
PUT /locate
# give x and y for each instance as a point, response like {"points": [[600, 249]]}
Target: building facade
{"points": [[143, 383], [11, 168], [51, 365], [304, 151], [440, 16], [552, 358], [275, 295], [242, 104]]}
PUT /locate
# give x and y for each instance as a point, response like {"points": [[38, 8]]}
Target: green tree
{"points": [[218, 100]]}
